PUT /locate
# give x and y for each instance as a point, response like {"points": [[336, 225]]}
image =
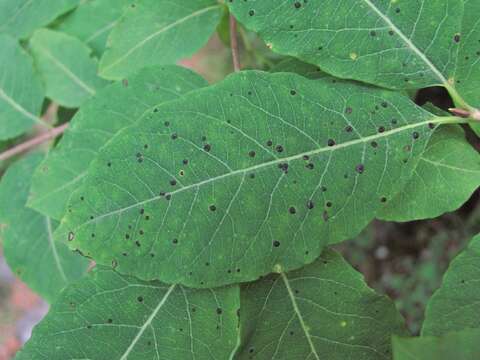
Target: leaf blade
{"points": [[227, 167], [155, 320]]}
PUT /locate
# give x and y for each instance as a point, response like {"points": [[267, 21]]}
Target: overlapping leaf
{"points": [[407, 44], [446, 176], [456, 305], [256, 172], [112, 109], [462, 345], [156, 32], [322, 311], [21, 93], [92, 21], [20, 18], [107, 316], [45, 265], [69, 72]]}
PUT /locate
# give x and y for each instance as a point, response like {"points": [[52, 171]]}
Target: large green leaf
{"points": [[69, 72], [21, 93], [322, 311], [299, 67], [92, 21], [257, 172], [20, 18], [468, 69], [462, 345], [407, 44], [446, 176], [107, 316], [118, 106], [456, 305], [43, 264], [158, 32]]}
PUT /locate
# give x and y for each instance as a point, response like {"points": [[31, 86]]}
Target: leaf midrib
{"points": [[409, 43], [157, 33], [433, 120], [51, 242], [147, 322]]}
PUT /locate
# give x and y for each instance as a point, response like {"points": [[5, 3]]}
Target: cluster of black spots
{"points": [[291, 333], [212, 208], [415, 135], [279, 148], [269, 142], [174, 136], [127, 236], [305, 157], [92, 235], [166, 123], [139, 157], [175, 241], [185, 162], [391, 32], [152, 255], [251, 12], [155, 110], [283, 167], [181, 173], [348, 110], [141, 232], [109, 164], [328, 204], [251, 176], [331, 142], [310, 166], [194, 309], [384, 104], [109, 321], [82, 198], [207, 264], [381, 129], [293, 92], [457, 38], [276, 243], [142, 211], [297, 5], [431, 126], [360, 168], [348, 128], [207, 147], [292, 210], [140, 299], [173, 182], [252, 153], [125, 254], [91, 217], [374, 144], [397, 10], [323, 189], [373, 33], [219, 311], [310, 204], [394, 121]]}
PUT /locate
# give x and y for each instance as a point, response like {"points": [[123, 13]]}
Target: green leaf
{"points": [[21, 93], [399, 45], [463, 345], [20, 18], [44, 265], [92, 21], [109, 316], [322, 311], [154, 32], [445, 178], [467, 77], [68, 70], [118, 106], [456, 305], [201, 191]]}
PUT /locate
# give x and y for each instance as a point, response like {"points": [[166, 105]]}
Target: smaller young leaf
{"points": [[446, 176], [21, 93], [44, 265], [322, 311], [118, 106], [462, 345], [154, 32], [456, 305], [20, 18], [107, 316], [92, 21], [68, 70]]}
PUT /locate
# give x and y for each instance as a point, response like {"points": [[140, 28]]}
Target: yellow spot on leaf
{"points": [[353, 56]]}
